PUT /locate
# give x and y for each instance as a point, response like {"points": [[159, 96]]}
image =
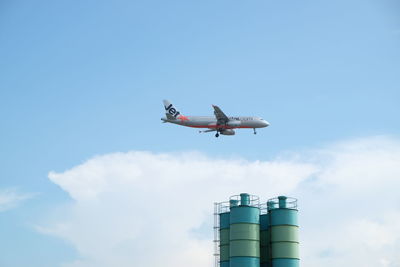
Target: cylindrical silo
{"points": [[284, 230], [224, 239], [265, 246], [244, 234]]}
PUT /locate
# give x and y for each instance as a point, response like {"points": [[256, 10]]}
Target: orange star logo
{"points": [[183, 118]]}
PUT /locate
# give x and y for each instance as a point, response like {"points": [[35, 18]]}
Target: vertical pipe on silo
{"points": [[284, 231], [244, 234], [265, 246], [244, 199]]}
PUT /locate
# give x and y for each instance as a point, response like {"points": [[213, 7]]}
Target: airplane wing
{"points": [[221, 117]]}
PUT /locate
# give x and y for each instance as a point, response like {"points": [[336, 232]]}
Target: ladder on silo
{"points": [[216, 234]]}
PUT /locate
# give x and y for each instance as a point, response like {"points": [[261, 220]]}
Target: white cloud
{"points": [[10, 198], [351, 214], [141, 208]]}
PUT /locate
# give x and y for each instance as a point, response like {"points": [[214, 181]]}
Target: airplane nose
{"points": [[265, 123]]}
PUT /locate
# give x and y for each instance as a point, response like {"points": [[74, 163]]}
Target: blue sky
{"points": [[86, 78]]}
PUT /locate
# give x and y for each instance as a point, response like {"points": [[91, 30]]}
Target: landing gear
{"points": [[217, 134], [254, 130]]}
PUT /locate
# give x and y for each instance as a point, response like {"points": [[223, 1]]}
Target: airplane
{"points": [[220, 123]]}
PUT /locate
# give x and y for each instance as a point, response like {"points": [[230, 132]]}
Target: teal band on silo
{"points": [[224, 219], [245, 214], [284, 216], [286, 263], [244, 262]]}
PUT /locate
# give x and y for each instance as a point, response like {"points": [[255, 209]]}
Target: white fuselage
{"points": [[211, 122]]}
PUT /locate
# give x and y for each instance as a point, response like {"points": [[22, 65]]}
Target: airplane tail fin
{"points": [[170, 110]]}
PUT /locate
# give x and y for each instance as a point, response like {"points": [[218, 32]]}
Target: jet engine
{"points": [[233, 123], [228, 132]]}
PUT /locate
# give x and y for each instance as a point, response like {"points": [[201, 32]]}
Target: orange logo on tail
{"points": [[183, 118]]}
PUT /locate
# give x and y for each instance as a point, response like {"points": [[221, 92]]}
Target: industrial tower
{"points": [[250, 234]]}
